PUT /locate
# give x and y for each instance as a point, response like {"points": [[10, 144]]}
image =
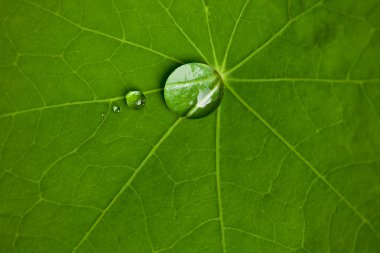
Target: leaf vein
{"points": [[303, 159], [126, 185], [274, 36], [182, 31], [259, 237], [233, 33], [354, 81], [218, 180], [105, 100], [103, 34], [209, 34]]}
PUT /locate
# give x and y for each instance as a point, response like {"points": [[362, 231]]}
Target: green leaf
{"points": [[288, 163]]}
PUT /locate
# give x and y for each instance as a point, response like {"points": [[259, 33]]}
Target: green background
{"points": [[288, 163]]}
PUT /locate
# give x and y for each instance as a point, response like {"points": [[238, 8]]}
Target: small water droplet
{"points": [[115, 108], [193, 90], [103, 114], [135, 99]]}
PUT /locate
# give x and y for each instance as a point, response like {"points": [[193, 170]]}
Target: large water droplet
{"points": [[135, 99], [193, 90]]}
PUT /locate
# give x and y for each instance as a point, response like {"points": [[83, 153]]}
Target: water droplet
{"points": [[115, 108], [135, 99], [193, 90], [103, 114]]}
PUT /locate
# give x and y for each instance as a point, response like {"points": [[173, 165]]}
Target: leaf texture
{"points": [[288, 163]]}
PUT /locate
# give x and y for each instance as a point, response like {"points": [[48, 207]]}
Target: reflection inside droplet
{"points": [[135, 99], [115, 108]]}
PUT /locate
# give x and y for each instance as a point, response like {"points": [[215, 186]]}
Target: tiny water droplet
{"points": [[103, 114], [193, 90], [135, 99], [115, 108]]}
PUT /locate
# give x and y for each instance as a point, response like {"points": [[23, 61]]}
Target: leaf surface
{"points": [[288, 163]]}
